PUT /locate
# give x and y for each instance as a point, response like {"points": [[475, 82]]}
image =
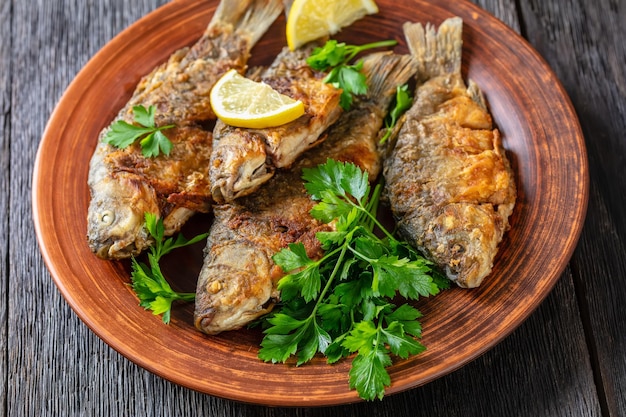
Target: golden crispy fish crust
{"points": [[238, 280], [123, 183], [448, 181], [244, 159]]}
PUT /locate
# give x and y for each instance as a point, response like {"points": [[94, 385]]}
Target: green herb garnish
{"points": [[342, 303], [335, 57], [402, 103], [148, 282], [123, 134]]}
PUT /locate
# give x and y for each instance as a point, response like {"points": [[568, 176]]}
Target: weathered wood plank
{"points": [[5, 134], [583, 41], [58, 367], [502, 9]]}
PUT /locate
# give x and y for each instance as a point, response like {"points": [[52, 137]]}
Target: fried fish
{"points": [[123, 183], [243, 159], [238, 279], [447, 179]]}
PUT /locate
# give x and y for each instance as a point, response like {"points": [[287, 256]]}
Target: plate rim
{"points": [[165, 9]]}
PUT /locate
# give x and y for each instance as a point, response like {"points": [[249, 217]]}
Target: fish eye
{"points": [[107, 218]]}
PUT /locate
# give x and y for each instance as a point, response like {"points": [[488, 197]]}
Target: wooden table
{"points": [[567, 359]]}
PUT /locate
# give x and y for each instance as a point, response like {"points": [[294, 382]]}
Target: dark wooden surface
{"points": [[567, 359]]}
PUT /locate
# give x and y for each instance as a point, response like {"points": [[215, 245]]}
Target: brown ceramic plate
{"points": [[541, 134]]}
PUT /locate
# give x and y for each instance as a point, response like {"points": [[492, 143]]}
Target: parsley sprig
{"points": [[342, 303], [335, 56], [152, 140], [148, 282], [402, 102]]}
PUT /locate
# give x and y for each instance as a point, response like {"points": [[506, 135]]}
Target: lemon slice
{"points": [[241, 102], [311, 19]]}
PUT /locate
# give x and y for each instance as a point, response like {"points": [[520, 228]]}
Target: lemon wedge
{"points": [[311, 19], [241, 102]]}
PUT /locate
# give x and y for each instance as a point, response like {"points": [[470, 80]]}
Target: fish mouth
{"points": [[234, 287], [102, 251], [212, 322], [204, 319], [109, 249], [250, 175]]}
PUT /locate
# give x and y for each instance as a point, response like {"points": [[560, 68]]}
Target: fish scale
{"points": [[243, 159], [447, 178], [123, 183], [237, 282]]}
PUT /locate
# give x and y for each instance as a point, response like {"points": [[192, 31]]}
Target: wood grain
{"points": [[596, 82], [543, 138], [56, 366], [5, 135]]}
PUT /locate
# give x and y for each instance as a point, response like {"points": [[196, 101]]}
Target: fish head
{"points": [[462, 239], [116, 216], [236, 285], [239, 163]]}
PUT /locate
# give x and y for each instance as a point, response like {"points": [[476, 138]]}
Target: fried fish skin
{"points": [[237, 283], [448, 180], [123, 183], [243, 159], [180, 88]]}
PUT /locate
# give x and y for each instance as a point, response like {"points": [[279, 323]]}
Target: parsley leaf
{"points": [[289, 336], [148, 282], [144, 116], [123, 134], [409, 278], [334, 57], [368, 374], [403, 101], [308, 280], [292, 258], [334, 53], [350, 80], [341, 304], [154, 143]]}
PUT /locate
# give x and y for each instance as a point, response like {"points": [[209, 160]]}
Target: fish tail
{"points": [[437, 52], [251, 17], [385, 71], [476, 94]]}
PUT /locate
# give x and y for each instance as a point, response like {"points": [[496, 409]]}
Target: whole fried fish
{"points": [[448, 181], [123, 183], [243, 159], [238, 279]]}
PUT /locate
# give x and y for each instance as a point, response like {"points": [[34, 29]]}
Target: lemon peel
{"points": [[309, 20], [241, 102]]}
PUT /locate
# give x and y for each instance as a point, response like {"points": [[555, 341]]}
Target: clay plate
{"points": [[541, 134]]}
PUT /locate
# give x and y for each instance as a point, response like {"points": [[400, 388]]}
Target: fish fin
{"points": [[476, 94], [287, 4], [252, 17], [385, 71], [438, 52], [255, 73], [228, 12]]}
